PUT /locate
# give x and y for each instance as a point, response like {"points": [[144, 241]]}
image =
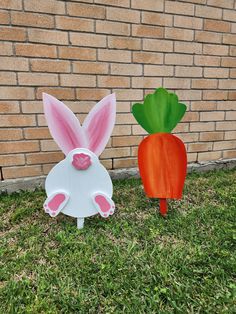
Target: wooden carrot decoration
{"points": [[162, 158]]}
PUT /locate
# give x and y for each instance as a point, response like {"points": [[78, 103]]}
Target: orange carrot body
{"points": [[162, 164]]}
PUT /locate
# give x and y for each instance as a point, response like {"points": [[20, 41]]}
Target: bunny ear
{"points": [[99, 124], [63, 125]]}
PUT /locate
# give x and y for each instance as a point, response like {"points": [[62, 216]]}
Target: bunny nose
{"points": [[81, 161]]}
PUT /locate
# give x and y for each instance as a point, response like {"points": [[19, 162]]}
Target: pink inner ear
{"points": [[99, 124], [63, 125]]}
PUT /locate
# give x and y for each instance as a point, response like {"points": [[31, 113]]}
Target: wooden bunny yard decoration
{"points": [[80, 186]]}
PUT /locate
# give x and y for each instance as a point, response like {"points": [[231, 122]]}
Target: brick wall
{"points": [[80, 51]]}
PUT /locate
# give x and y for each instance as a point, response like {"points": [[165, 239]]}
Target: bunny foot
{"points": [[55, 203], [104, 204]]}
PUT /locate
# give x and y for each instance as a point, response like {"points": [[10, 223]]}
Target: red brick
{"points": [[129, 94], [179, 34], [147, 31], [232, 95], [113, 81], [77, 80], [36, 133], [34, 79], [21, 172], [124, 43], [116, 152], [229, 15], [4, 17], [176, 83], [146, 82], [178, 59], [157, 19], [228, 62], [116, 3], [125, 162], [43, 158], [230, 115], [150, 5], [216, 73], [191, 157], [190, 116], [86, 10], [184, 71], [208, 37], [32, 19], [91, 94], [122, 130], [230, 135], [206, 61], [123, 15], [6, 49], [214, 95], [221, 3], [7, 78], [212, 116], [208, 12], [199, 147], [189, 94], [125, 118], [74, 24], [14, 64], [9, 107], [227, 84], [211, 136], [90, 67], [12, 160], [229, 154], [148, 57], [204, 84], [52, 6], [11, 134], [50, 65], [229, 39], [208, 156], [225, 105], [217, 50], [35, 50], [223, 145], [12, 33], [188, 47], [179, 8], [19, 146], [158, 70], [188, 22], [233, 73], [17, 93], [92, 40], [203, 105], [157, 45], [138, 130], [114, 55], [118, 141], [188, 137], [225, 125], [17, 120], [11, 4], [113, 28], [77, 53], [48, 36], [60, 93], [202, 126], [126, 69], [217, 26]]}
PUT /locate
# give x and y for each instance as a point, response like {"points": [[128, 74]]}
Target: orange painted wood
{"points": [[162, 164]]}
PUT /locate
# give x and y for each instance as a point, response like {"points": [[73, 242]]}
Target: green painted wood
{"points": [[160, 112]]}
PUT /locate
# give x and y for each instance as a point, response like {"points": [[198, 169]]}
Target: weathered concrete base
{"points": [[14, 185]]}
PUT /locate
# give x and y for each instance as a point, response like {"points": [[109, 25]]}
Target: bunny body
{"points": [[79, 185]]}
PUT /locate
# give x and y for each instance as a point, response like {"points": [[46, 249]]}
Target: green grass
{"points": [[134, 262]]}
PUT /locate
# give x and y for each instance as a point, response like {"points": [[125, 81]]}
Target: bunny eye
{"points": [[81, 161]]}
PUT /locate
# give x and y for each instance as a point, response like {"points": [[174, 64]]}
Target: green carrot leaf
{"points": [[160, 112]]}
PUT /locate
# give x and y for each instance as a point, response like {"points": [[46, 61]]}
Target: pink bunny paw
{"points": [[55, 203], [104, 204]]}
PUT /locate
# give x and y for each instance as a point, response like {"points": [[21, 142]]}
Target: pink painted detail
{"points": [[55, 203], [81, 161], [99, 123], [104, 204]]}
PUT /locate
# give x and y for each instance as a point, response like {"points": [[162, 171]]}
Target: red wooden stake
{"points": [[163, 206]]}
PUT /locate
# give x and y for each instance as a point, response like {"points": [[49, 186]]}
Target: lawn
{"points": [[134, 262]]}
